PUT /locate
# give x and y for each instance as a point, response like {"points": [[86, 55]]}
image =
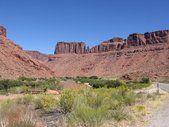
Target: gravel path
{"points": [[164, 86], [161, 117]]}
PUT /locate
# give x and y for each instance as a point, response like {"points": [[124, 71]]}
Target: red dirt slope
{"points": [[14, 62], [132, 63]]}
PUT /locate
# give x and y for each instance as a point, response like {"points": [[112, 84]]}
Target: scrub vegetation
{"points": [[104, 102]]}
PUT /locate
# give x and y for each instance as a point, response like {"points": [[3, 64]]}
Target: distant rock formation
{"points": [[136, 40], [110, 45], [38, 55], [71, 47], [148, 38], [2, 31], [114, 44], [157, 37]]}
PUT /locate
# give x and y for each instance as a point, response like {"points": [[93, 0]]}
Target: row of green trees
{"points": [[96, 82], [30, 83]]}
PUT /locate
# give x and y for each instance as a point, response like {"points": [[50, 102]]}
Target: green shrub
{"points": [[46, 102], [5, 85], [96, 82], [92, 107], [26, 79], [137, 85], [88, 113], [130, 98], [26, 99], [140, 108], [114, 83], [51, 83], [145, 80], [67, 100], [117, 99], [24, 85], [25, 89], [87, 116], [93, 77], [98, 97], [118, 114]]}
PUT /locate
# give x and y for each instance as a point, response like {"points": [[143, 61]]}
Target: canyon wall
{"points": [[114, 44]]}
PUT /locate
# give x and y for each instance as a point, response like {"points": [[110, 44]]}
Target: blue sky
{"points": [[39, 24]]}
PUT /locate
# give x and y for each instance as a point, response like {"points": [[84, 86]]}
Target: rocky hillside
{"points": [[15, 62], [137, 56], [38, 55], [132, 63]]}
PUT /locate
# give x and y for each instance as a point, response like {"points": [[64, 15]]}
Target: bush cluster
{"points": [[46, 102], [25, 85], [91, 107], [67, 100], [96, 82]]}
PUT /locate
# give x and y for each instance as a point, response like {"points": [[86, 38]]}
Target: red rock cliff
{"points": [[2, 31], [112, 44], [148, 38], [70, 47], [115, 44]]}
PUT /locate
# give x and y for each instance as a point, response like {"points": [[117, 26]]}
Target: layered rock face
{"points": [[115, 44], [2, 31], [157, 37], [136, 40], [140, 55], [71, 47], [131, 63], [148, 38], [110, 45]]}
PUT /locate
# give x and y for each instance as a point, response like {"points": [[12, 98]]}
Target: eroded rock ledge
{"points": [[114, 44]]}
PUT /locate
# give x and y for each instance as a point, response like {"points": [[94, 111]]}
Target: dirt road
{"points": [[161, 117]]}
